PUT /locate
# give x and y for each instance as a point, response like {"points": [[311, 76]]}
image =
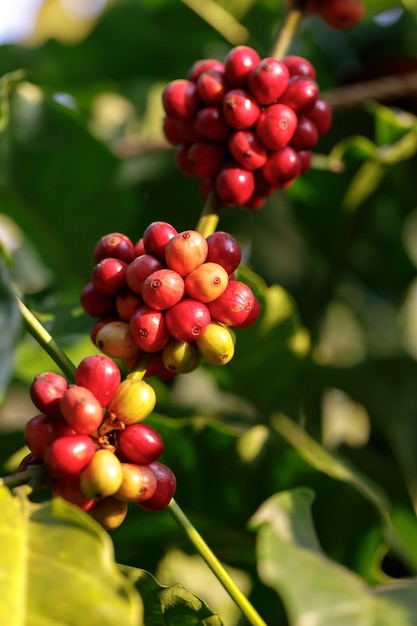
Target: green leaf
{"points": [[171, 606], [363, 184], [10, 324], [57, 567], [314, 589]]}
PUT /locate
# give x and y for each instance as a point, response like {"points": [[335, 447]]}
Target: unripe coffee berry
{"points": [[133, 401], [207, 282], [186, 251], [116, 340], [102, 476]]}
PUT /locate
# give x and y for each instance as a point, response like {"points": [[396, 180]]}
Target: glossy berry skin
{"points": [[162, 289], [282, 165], [140, 443], [180, 99], [276, 126], [253, 315], [138, 483], [182, 161], [133, 401], [108, 276], [238, 64], [301, 94], [99, 374], [148, 329], [81, 410], [321, 115], [186, 251], [68, 487], [94, 303], [299, 66], [212, 87], [41, 430], [139, 270], [165, 488], [247, 150], [46, 392], [306, 135], [180, 356], [109, 512], [207, 282], [187, 320], [205, 157], [115, 245], [234, 305], [268, 80], [240, 109], [127, 301], [210, 124], [203, 65], [341, 14], [156, 237], [234, 184], [224, 249], [102, 476], [116, 340], [69, 455], [216, 346]]}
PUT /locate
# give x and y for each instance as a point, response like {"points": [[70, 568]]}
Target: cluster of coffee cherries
{"points": [[90, 438], [171, 299], [340, 14], [245, 126]]}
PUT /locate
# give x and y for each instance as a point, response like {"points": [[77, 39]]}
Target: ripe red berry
{"points": [[224, 249], [108, 276], [46, 392], [247, 150], [69, 454], [253, 315], [205, 157], [114, 245], [41, 430], [149, 329], [321, 116], [139, 269], [282, 165], [182, 161], [240, 109], [68, 487], [99, 374], [210, 124], [276, 126], [180, 99], [268, 80], [305, 160], [206, 282], [156, 237], [162, 289], [306, 135], [341, 14], [127, 301], [81, 410], [165, 487], [239, 63], [140, 443], [212, 87], [187, 320], [186, 251], [234, 305], [94, 303], [203, 65], [298, 66], [301, 94], [234, 185]]}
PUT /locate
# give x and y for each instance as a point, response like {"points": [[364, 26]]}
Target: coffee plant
{"points": [[208, 312]]}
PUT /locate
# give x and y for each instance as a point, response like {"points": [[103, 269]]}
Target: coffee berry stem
{"points": [[15, 480], [287, 32], [209, 217], [138, 371], [216, 567], [46, 341]]}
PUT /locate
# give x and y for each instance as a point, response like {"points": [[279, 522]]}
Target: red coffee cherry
{"points": [[156, 237], [341, 14], [235, 185], [81, 410], [68, 487], [210, 124], [212, 87], [139, 269], [46, 392], [205, 157], [99, 374], [140, 443], [321, 116], [224, 249], [305, 160], [149, 329], [282, 165], [234, 305], [127, 301], [268, 80], [172, 131], [207, 282], [298, 66], [69, 454], [186, 251], [240, 109], [180, 99], [95, 304], [301, 94], [162, 289], [108, 276], [115, 245], [138, 483], [139, 248], [247, 150], [203, 65], [239, 63], [306, 135], [165, 488], [187, 320], [253, 315], [41, 430], [276, 126], [182, 161], [157, 368]]}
